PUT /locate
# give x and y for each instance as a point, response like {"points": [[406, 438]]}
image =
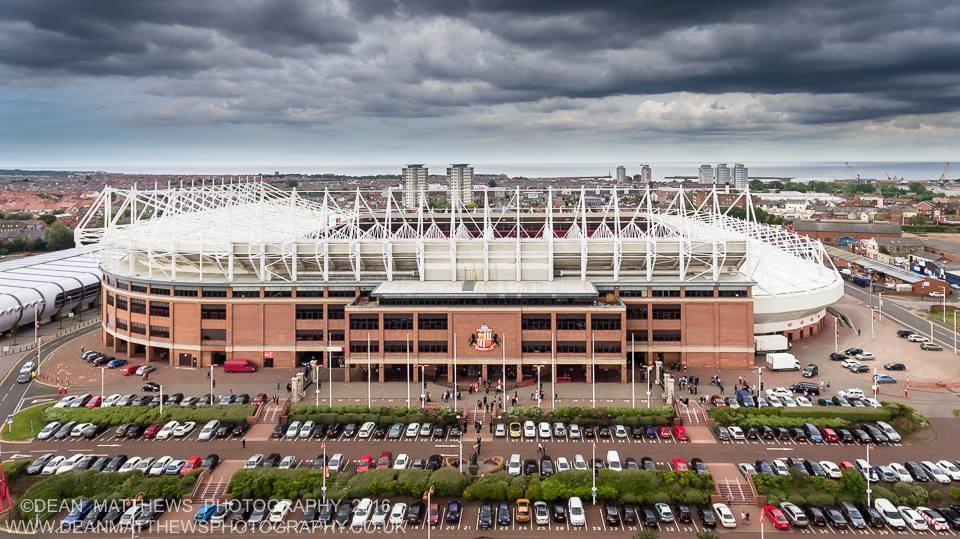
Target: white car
{"points": [[901, 472], [77, 431], [336, 462], [398, 513], [111, 400], [543, 429], [935, 472], [28, 367], [789, 402], [872, 403], [288, 462], [562, 464], [852, 393], [306, 430], [125, 400], [361, 513], [866, 356], [913, 337], [515, 465], [887, 429], [725, 515], [167, 430], [619, 431], [575, 432], [144, 465], [500, 431], [747, 469], [51, 467], [575, 509], [891, 517], [774, 401], [831, 468], [144, 369], [933, 519], [403, 460], [366, 430], [913, 519], [159, 465], [780, 392], [280, 510], [529, 429], [803, 402], [380, 513], [253, 461], [184, 429], [950, 469], [559, 430], [780, 466], [129, 465], [412, 430], [67, 465], [293, 430], [736, 433], [579, 463], [541, 513], [849, 362], [47, 431]]}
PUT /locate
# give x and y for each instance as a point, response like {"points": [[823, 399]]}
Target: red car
{"points": [[664, 432], [130, 370], [152, 430], [829, 436], [95, 402], [434, 514], [775, 516], [847, 465], [385, 460], [192, 464], [718, 401], [365, 463], [679, 465], [260, 398], [680, 433]]}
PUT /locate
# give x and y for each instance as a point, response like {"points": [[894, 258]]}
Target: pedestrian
{"points": [[278, 386], [243, 443], [214, 382], [748, 518], [540, 448]]}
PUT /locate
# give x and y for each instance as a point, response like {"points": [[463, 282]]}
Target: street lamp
{"points": [[423, 386], [943, 303], [759, 382], [869, 470], [211, 382], [538, 387], [649, 385], [102, 383], [161, 398]]}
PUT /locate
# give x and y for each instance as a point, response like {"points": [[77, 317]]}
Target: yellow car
{"points": [[515, 430], [522, 511]]}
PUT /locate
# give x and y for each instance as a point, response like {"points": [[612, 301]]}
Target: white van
{"points": [[889, 512], [613, 461], [131, 515], [208, 430], [575, 510], [361, 513]]}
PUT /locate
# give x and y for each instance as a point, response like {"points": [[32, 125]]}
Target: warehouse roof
{"points": [[874, 265], [559, 288], [846, 226]]}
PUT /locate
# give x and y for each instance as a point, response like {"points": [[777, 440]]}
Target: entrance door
{"points": [[267, 362], [218, 358], [185, 360]]}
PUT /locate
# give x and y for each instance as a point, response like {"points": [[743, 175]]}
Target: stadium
{"points": [[582, 282]]}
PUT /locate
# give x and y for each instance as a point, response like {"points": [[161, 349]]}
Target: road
{"points": [[903, 316]]}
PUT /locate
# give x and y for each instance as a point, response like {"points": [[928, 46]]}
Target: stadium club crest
{"points": [[484, 339]]}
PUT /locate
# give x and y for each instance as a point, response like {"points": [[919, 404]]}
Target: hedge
{"points": [[823, 416], [232, 414], [378, 414], [819, 491], [301, 484], [14, 469], [101, 486], [635, 486], [586, 416]]}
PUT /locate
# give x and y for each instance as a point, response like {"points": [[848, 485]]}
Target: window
{"points": [[605, 323], [571, 347], [213, 312], [636, 312], [732, 293], [246, 293], [309, 335], [121, 324], [162, 332], [666, 335], [341, 293], [535, 347], [309, 312], [432, 321], [159, 308], [121, 303], [395, 321], [277, 293], [567, 322], [136, 327], [639, 335], [109, 299], [213, 334], [698, 293], [335, 335], [207, 293], [309, 293], [364, 322], [138, 288], [666, 312], [123, 285], [396, 347], [642, 293], [336, 312], [159, 291], [138, 306], [433, 347], [671, 293], [607, 347], [185, 292], [535, 322], [360, 347]]}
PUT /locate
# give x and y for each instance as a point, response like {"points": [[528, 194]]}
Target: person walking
{"points": [[243, 443]]}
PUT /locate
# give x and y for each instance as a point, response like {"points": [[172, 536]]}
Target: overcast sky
{"points": [[136, 85]]}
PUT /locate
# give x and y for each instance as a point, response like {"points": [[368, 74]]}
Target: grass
{"points": [[26, 424]]}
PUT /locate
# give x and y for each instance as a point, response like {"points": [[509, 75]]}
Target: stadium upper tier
{"points": [[253, 233]]}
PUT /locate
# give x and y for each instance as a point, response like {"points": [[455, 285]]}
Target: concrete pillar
{"points": [[416, 373], [129, 349], [623, 375], [484, 372], [589, 371], [381, 373], [450, 373], [346, 372], [148, 354], [519, 373]]}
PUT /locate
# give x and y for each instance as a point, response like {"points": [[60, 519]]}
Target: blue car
{"points": [[116, 363], [884, 379], [77, 514], [205, 512], [453, 511]]}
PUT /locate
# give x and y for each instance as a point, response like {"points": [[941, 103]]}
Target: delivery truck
{"points": [[770, 343], [782, 361]]}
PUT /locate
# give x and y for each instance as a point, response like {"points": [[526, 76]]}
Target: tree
{"points": [[292, 183], [48, 218], [706, 534], [645, 534], [58, 236]]}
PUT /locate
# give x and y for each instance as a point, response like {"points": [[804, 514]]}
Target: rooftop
{"points": [[558, 288]]}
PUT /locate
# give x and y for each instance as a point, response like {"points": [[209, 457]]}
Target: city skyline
{"points": [[122, 86]]}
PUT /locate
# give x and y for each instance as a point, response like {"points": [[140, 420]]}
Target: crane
{"points": [[943, 177], [852, 171]]}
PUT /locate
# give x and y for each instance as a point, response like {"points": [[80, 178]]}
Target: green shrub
{"points": [[14, 469], [231, 414], [586, 416], [354, 413], [448, 482], [492, 487]]}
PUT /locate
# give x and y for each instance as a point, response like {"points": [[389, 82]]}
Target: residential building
{"points": [[722, 174], [740, 178], [646, 175], [460, 183], [705, 174], [414, 184], [621, 174]]}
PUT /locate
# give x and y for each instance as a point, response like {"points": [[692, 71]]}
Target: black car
{"points": [[647, 463], [814, 468], [835, 517], [951, 515], [121, 430], [611, 514], [630, 463], [278, 431], [223, 431], [142, 400], [874, 518], [810, 371], [904, 333], [320, 431], [797, 464], [242, 398], [435, 461], [707, 516], [134, 431], [649, 516], [272, 460], [503, 514], [859, 368], [38, 463], [84, 463], [837, 356], [529, 467], [174, 399], [767, 433], [845, 436], [878, 435], [64, 431], [816, 516], [916, 471], [559, 511], [752, 433], [380, 432], [604, 432], [439, 432], [309, 514], [24, 378], [211, 461], [152, 387], [854, 517], [763, 467], [783, 434], [154, 401], [894, 366], [546, 466], [350, 430], [97, 512], [325, 513], [698, 466], [485, 518], [797, 434], [345, 514], [853, 351], [861, 436], [100, 463], [636, 432], [807, 388], [320, 462], [113, 515], [454, 508], [630, 515], [588, 432], [334, 431], [414, 512]]}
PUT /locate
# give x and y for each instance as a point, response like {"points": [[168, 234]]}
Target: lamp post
{"points": [[503, 369], [330, 380], [161, 398], [538, 388], [103, 370], [316, 380], [943, 304], [593, 472], [869, 469], [593, 374], [875, 387], [326, 470], [553, 380], [954, 332], [369, 376], [931, 330], [454, 373], [649, 385], [880, 306], [407, 368], [423, 386], [211, 383]]}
